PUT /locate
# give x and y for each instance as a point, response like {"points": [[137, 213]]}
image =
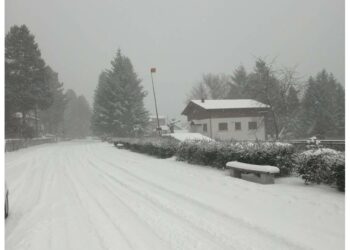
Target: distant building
{"points": [[153, 124], [241, 119]]}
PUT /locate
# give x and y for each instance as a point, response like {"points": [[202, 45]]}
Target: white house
{"points": [[241, 119]]}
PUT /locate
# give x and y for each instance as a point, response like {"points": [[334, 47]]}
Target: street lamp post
{"points": [[153, 70]]}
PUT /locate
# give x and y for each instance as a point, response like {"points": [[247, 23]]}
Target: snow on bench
{"points": [[265, 173]]}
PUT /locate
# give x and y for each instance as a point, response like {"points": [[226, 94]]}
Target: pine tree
{"points": [[263, 86], [25, 87], [52, 117], [323, 107], [102, 121], [340, 111], [238, 83], [77, 116], [292, 101], [84, 115], [118, 105], [292, 125]]}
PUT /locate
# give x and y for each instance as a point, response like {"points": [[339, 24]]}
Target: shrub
{"points": [[162, 147], [322, 165], [218, 154], [318, 165], [339, 175]]}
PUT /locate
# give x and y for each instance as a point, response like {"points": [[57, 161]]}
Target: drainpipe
{"points": [[211, 127]]}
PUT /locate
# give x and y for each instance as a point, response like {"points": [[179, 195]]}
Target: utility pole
{"points": [[153, 70]]}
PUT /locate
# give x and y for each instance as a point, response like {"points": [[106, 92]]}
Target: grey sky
{"points": [[182, 38]]}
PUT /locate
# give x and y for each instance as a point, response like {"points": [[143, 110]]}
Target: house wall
{"points": [[244, 134]]}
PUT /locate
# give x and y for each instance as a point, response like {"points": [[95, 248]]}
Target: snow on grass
{"points": [[91, 195]]}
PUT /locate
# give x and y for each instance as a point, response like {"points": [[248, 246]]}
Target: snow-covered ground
{"points": [[91, 195]]}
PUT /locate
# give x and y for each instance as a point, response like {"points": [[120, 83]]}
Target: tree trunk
{"points": [[36, 122], [23, 123]]}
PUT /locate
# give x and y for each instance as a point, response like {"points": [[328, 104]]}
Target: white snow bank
{"points": [[189, 136]]}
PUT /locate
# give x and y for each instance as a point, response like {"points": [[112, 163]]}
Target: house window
{"points": [[223, 126], [252, 125], [205, 128], [238, 126]]}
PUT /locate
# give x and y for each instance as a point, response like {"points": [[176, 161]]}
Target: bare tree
{"points": [[212, 86], [273, 87]]}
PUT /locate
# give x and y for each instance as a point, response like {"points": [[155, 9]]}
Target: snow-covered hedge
{"points": [[314, 166], [217, 154], [322, 165], [162, 147]]}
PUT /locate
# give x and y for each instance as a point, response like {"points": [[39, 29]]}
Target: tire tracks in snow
{"points": [[74, 190], [197, 232], [239, 224], [32, 192], [181, 239], [100, 207]]}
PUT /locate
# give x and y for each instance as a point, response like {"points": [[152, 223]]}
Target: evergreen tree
{"points": [[25, 87], [263, 86], [292, 101], [52, 117], [102, 121], [340, 111], [118, 105], [85, 114], [238, 83], [77, 116], [277, 89], [292, 125], [323, 107]]}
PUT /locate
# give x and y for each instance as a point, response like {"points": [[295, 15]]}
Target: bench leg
{"points": [[236, 173], [267, 179]]}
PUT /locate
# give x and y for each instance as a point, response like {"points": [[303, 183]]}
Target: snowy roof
{"points": [[188, 136], [230, 104]]}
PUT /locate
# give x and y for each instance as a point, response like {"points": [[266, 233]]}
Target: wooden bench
{"points": [[265, 173]]}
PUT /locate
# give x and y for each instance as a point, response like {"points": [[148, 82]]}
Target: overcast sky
{"points": [[183, 39]]}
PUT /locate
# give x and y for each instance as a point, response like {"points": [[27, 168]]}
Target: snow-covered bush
{"points": [[322, 165], [339, 174], [197, 151], [218, 154], [162, 147]]}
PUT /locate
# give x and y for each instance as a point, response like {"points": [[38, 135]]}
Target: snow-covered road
{"points": [[90, 195]]}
